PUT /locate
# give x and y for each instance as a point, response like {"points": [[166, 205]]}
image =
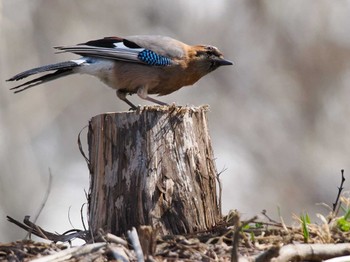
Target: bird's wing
{"points": [[149, 50], [162, 45]]}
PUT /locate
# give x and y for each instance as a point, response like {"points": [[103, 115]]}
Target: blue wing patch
{"points": [[151, 58]]}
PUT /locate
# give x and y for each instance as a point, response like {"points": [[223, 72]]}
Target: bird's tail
{"points": [[62, 69]]}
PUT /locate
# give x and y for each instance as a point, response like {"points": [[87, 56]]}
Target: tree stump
{"points": [[153, 166]]}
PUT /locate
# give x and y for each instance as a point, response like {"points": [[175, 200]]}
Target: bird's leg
{"points": [[142, 93], [122, 96]]}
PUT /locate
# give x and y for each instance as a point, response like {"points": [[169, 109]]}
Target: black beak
{"points": [[223, 62]]}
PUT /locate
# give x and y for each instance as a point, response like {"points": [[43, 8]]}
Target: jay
{"points": [[141, 65]]}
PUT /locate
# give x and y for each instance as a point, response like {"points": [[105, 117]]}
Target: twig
{"points": [[70, 222], [264, 213], [273, 222], [235, 237], [48, 190], [87, 196], [119, 253], [340, 189], [220, 189], [38, 231], [134, 238], [81, 148], [115, 239], [110, 238], [82, 216]]}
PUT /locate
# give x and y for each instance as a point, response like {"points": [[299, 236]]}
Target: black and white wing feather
{"points": [[122, 49]]}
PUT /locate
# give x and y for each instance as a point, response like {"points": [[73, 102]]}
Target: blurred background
{"points": [[279, 117]]}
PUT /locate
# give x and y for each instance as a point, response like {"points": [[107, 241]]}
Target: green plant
{"points": [[305, 220], [343, 223]]}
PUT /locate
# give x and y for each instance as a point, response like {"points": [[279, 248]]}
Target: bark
{"points": [[153, 166]]}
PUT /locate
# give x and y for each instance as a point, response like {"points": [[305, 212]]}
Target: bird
{"points": [[140, 64]]}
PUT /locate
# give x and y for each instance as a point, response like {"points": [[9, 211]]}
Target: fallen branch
{"points": [[115, 239], [339, 259], [134, 239], [119, 253], [305, 252]]}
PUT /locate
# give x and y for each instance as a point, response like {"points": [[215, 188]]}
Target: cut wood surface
{"points": [[153, 166]]}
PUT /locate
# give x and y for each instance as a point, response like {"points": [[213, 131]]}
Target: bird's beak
{"points": [[223, 62]]}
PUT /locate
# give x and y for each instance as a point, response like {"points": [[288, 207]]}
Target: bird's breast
{"points": [[129, 77]]}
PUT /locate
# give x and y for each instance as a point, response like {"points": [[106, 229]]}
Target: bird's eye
{"points": [[207, 51], [212, 51], [210, 48]]}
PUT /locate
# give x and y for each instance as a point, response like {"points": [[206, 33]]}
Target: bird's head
{"points": [[208, 58]]}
